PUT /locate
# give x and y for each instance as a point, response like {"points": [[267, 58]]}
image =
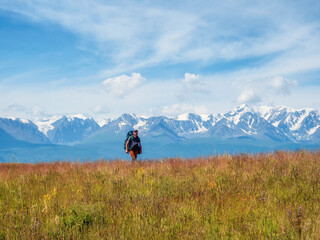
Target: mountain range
{"points": [[243, 129]]}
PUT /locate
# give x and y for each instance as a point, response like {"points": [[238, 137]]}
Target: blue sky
{"points": [[104, 58]]}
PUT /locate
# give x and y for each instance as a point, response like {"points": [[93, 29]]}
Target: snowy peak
{"points": [[299, 124], [245, 120], [48, 124], [121, 124], [23, 129], [103, 122], [21, 120], [188, 117], [140, 125], [244, 108], [76, 116], [126, 120], [71, 129], [237, 114], [183, 117], [45, 124], [279, 123]]}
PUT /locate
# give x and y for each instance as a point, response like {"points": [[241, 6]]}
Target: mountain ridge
{"points": [[244, 129], [279, 123]]}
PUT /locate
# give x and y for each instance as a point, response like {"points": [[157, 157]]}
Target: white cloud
{"points": [[176, 109], [133, 36], [16, 108], [282, 86], [249, 96], [37, 111], [97, 109], [192, 86], [23, 111], [155, 98], [123, 84], [191, 78], [261, 88], [100, 110], [144, 33]]}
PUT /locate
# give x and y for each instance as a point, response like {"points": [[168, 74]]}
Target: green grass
{"points": [[273, 196]]}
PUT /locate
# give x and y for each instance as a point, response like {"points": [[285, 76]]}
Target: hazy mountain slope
{"points": [[71, 129], [24, 130]]}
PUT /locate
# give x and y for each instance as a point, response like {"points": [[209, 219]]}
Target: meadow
{"points": [[264, 196]]}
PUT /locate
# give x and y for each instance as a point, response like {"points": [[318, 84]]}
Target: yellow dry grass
{"points": [[266, 196]]}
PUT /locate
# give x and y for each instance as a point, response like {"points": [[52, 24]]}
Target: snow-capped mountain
{"points": [[102, 122], [24, 130], [192, 124], [153, 126], [244, 121], [243, 129], [300, 125], [122, 124], [70, 129], [279, 124], [180, 125], [45, 124], [271, 123]]}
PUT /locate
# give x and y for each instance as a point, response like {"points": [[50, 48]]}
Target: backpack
{"points": [[129, 135]]}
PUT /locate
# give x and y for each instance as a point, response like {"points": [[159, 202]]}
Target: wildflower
{"points": [[56, 220], [212, 185], [299, 212], [47, 197], [36, 223], [54, 192], [263, 197]]}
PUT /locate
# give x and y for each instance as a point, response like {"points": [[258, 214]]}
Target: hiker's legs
{"points": [[133, 155]]}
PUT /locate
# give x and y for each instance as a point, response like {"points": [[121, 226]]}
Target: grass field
{"points": [[273, 196]]}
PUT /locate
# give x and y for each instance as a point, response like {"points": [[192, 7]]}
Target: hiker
{"points": [[134, 146]]}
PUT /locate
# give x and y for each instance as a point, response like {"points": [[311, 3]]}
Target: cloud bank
{"points": [[283, 86], [249, 96], [123, 84], [193, 53]]}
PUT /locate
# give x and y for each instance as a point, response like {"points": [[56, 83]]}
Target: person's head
{"points": [[135, 133]]}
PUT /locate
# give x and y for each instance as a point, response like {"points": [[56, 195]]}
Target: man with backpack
{"points": [[133, 144]]}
